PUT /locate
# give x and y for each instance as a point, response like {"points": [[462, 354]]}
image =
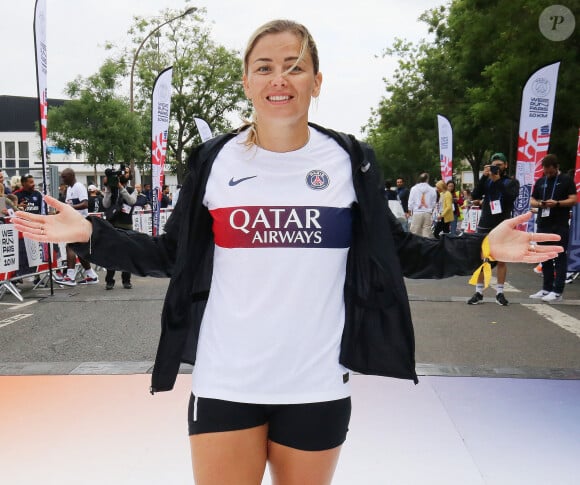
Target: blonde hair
{"points": [[307, 45], [441, 185]]}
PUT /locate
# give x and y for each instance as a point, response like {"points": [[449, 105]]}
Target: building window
{"points": [[15, 162], [10, 158]]}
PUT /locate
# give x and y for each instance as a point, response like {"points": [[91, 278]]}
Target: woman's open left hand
{"points": [[65, 226], [509, 244]]}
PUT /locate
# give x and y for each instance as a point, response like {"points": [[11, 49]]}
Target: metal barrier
{"points": [[24, 258]]}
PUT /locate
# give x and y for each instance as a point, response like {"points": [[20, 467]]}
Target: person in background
{"points": [[553, 196], [457, 200], [165, 201], [495, 193], [422, 202], [388, 192], [76, 197], [4, 183], [119, 203], [403, 195], [271, 381], [142, 202], [445, 206], [29, 199], [148, 193], [15, 183], [95, 199]]}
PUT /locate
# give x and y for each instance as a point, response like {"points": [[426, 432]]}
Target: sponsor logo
{"points": [[305, 227], [317, 180], [541, 86], [233, 182]]}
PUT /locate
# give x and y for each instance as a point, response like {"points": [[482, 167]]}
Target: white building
{"points": [[20, 151]]}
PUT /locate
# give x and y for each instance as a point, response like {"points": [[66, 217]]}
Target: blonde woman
{"points": [[286, 270], [445, 209]]}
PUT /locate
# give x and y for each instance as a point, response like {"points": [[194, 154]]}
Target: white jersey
{"points": [[273, 323], [75, 195]]}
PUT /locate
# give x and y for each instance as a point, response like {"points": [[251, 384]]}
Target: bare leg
{"points": [[290, 466], [501, 272], [230, 457]]}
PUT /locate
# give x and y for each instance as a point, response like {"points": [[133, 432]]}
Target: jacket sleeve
{"points": [[447, 256], [135, 252]]}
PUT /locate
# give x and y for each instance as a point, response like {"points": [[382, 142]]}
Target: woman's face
{"points": [[278, 95]]}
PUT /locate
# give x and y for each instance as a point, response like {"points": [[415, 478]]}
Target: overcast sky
{"points": [[349, 35]]}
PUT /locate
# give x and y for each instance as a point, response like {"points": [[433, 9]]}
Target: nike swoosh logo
{"points": [[233, 182]]}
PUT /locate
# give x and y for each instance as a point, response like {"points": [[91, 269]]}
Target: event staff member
{"points": [[553, 195]]}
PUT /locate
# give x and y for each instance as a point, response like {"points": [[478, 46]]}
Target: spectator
{"points": [[77, 198], [165, 201], [29, 199], [15, 183], [95, 200], [403, 194], [445, 213], [7, 188], [422, 200], [457, 199], [553, 196]]}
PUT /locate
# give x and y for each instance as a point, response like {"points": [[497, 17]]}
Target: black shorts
{"points": [[309, 427]]}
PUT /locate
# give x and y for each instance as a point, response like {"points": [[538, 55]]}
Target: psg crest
{"points": [[317, 180]]}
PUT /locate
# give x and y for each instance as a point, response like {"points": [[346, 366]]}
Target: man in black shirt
{"points": [[495, 193], [554, 195]]}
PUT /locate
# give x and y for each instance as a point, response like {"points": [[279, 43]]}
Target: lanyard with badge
{"points": [[494, 205], [546, 210]]}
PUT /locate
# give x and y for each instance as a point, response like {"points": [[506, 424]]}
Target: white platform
{"points": [[465, 431]]}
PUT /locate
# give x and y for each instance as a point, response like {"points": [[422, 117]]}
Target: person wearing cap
{"points": [[495, 193], [95, 199]]}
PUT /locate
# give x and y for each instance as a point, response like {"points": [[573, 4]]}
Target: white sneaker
{"points": [[552, 297], [540, 294]]}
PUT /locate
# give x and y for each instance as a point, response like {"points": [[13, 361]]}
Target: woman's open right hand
{"points": [[66, 226]]}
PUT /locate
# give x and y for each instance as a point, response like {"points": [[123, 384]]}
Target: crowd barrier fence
{"points": [[21, 257]]}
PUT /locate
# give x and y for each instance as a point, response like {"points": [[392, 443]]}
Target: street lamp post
{"points": [[156, 29]]}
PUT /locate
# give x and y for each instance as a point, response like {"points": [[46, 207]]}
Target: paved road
{"points": [[90, 330]]}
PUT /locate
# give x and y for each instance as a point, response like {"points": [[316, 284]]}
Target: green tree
{"points": [[97, 121], [401, 128], [206, 79], [473, 72]]}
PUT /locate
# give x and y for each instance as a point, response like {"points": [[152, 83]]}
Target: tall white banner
{"points": [[445, 147], [538, 100], [41, 77], [160, 111]]}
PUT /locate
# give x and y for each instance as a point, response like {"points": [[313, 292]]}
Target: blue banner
{"points": [[574, 242]]}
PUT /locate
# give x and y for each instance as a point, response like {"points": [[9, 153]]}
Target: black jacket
{"points": [[378, 334]]}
